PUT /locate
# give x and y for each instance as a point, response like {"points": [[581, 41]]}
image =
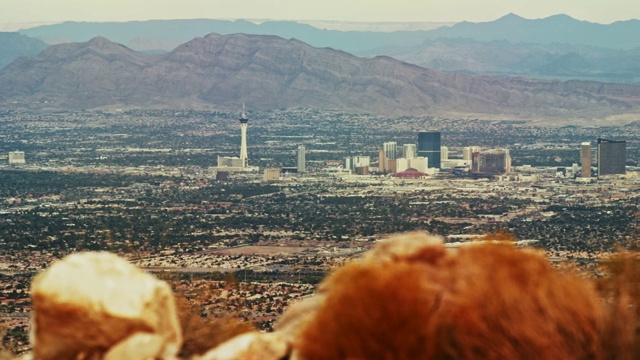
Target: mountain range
{"points": [[557, 47], [511, 28], [167, 34], [14, 45], [503, 58], [560, 28], [269, 72]]}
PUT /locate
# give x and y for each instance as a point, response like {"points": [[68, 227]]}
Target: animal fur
{"points": [[412, 299]]}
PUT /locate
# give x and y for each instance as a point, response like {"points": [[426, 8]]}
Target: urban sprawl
{"points": [[246, 212]]}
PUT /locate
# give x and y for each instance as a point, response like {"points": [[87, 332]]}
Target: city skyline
{"points": [[42, 11]]}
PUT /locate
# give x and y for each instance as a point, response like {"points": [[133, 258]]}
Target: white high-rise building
{"points": [[348, 164], [585, 159], [302, 167], [16, 157], [409, 151], [360, 161], [444, 153], [243, 134], [390, 150], [352, 162]]}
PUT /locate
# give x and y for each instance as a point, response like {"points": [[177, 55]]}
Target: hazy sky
{"points": [[21, 11]]}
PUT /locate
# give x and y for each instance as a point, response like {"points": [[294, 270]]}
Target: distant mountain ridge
{"points": [[14, 45], [557, 47], [173, 32], [512, 28], [502, 58], [222, 71], [554, 29]]}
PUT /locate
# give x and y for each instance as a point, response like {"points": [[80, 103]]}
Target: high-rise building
{"points": [[391, 166], [243, 133], [467, 152], [495, 161], [429, 147], [302, 167], [612, 155], [360, 161], [382, 161], [409, 151], [390, 150], [348, 164], [16, 157], [475, 162], [585, 159], [444, 153]]}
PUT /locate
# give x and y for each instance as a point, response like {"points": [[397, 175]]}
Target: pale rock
{"points": [[140, 346], [295, 318], [250, 346], [87, 303], [407, 246]]}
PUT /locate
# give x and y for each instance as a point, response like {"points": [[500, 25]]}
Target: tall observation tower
{"points": [[243, 132]]}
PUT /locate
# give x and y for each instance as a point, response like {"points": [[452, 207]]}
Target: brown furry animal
{"points": [[412, 299]]}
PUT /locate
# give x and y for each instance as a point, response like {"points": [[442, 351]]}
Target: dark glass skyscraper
{"points": [[612, 156], [429, 147]]}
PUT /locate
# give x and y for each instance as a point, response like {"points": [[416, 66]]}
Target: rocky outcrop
{"points": [[97, 305]]}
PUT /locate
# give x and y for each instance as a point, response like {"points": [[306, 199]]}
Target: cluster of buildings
{"points": [[428, 157], [241, 163], [611, 156]]}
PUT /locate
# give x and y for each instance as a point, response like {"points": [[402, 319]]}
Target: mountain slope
{"points": [[557, 47], [74, 74], [503, 58], [14, 45], [269, 72]]}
